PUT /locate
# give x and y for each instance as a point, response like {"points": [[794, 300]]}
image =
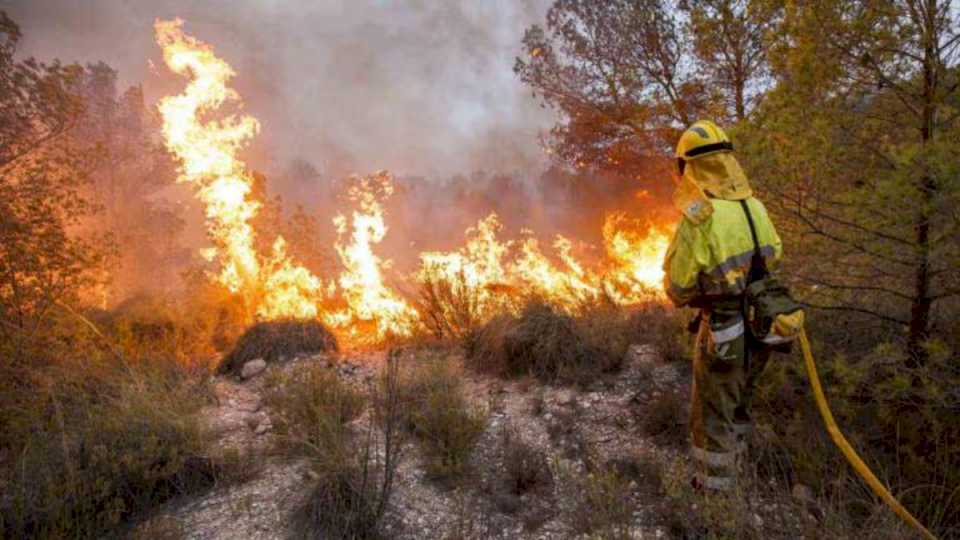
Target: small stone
{"points": [[566, 397], [253, 368], [262, 427], [757, 521]]}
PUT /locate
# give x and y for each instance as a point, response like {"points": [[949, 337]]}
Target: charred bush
{"points": [[274, 340], [550, 344]]}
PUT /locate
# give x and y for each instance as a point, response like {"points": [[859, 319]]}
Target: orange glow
{"points": [[497, 271], [636, 254]]}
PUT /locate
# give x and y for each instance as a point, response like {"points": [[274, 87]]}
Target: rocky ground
{"points": [[619, 423]]}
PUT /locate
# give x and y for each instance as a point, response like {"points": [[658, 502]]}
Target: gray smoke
{"points": [[417, 87]]}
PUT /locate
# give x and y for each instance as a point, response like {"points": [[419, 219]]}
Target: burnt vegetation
{"points": [[548, 343], [273, 341]]}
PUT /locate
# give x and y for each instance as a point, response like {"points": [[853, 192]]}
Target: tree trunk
{"points": [[921, 305]]}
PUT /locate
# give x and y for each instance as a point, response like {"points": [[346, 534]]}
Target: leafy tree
{"points": [[855, 146], [44, 175], [132, 168], [627, 76], [730, 40]]}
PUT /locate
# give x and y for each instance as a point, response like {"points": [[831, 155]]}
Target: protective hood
{"points": [[719, 175]]}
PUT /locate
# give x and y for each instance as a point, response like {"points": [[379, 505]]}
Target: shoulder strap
{"points": [[758, 266]]}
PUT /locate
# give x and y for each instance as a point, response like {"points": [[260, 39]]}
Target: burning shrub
{"points": [[448, 307], [274, 340], [551, 345]]}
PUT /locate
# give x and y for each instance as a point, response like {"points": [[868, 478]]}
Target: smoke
{"points": [[416, 87]]}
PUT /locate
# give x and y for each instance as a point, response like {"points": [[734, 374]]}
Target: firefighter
{"points": [[708, 266]]}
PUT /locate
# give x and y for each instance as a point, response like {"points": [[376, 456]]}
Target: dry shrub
{"points": [[523, 481], [665, 328], [312, 407], [689, 513], [274, 340], [448, 308], [352, 467], [547, 343], [524, 467], [598, 503], [440, 415], [663, 417], [96, 441]]}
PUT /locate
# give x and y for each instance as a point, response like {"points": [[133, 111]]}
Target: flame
{"points": [[275, 287], [368, 299], [496, 272], [636, 254], [359, 303]]}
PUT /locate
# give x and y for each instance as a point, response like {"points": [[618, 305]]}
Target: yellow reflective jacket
{"points": [[711, 259]]}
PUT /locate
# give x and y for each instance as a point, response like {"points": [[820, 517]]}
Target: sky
{"points": [[416, 87]]}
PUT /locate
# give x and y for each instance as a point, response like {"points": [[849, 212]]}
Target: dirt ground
{"points": [[576, 429]]}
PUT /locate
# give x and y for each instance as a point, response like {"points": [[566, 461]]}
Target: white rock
{"points": [[253, 368]]}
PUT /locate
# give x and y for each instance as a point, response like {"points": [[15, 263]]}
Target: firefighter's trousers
{"points": [[726, 368]]}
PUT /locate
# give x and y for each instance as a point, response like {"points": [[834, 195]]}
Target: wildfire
{"points": [[275, 287], [359, 303], [495, 271], [361, 283]]}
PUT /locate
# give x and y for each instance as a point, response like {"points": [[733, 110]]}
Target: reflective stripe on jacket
{"points": [[713, 258]]}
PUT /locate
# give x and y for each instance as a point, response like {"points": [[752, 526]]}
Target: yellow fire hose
{"points": [[878, 488]]}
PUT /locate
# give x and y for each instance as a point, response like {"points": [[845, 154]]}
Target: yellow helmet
{"points": [[702, 139], [708, 169]]}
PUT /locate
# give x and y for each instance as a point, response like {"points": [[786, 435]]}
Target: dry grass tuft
{"points": [[664, 417], [598, 503], [95, 443]]}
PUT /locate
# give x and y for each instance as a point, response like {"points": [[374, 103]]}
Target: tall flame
{"points": [[361, 283], [275, 287]]}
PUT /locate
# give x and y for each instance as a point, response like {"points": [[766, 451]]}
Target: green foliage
{"points": [[901, 419], [851, 151]]}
